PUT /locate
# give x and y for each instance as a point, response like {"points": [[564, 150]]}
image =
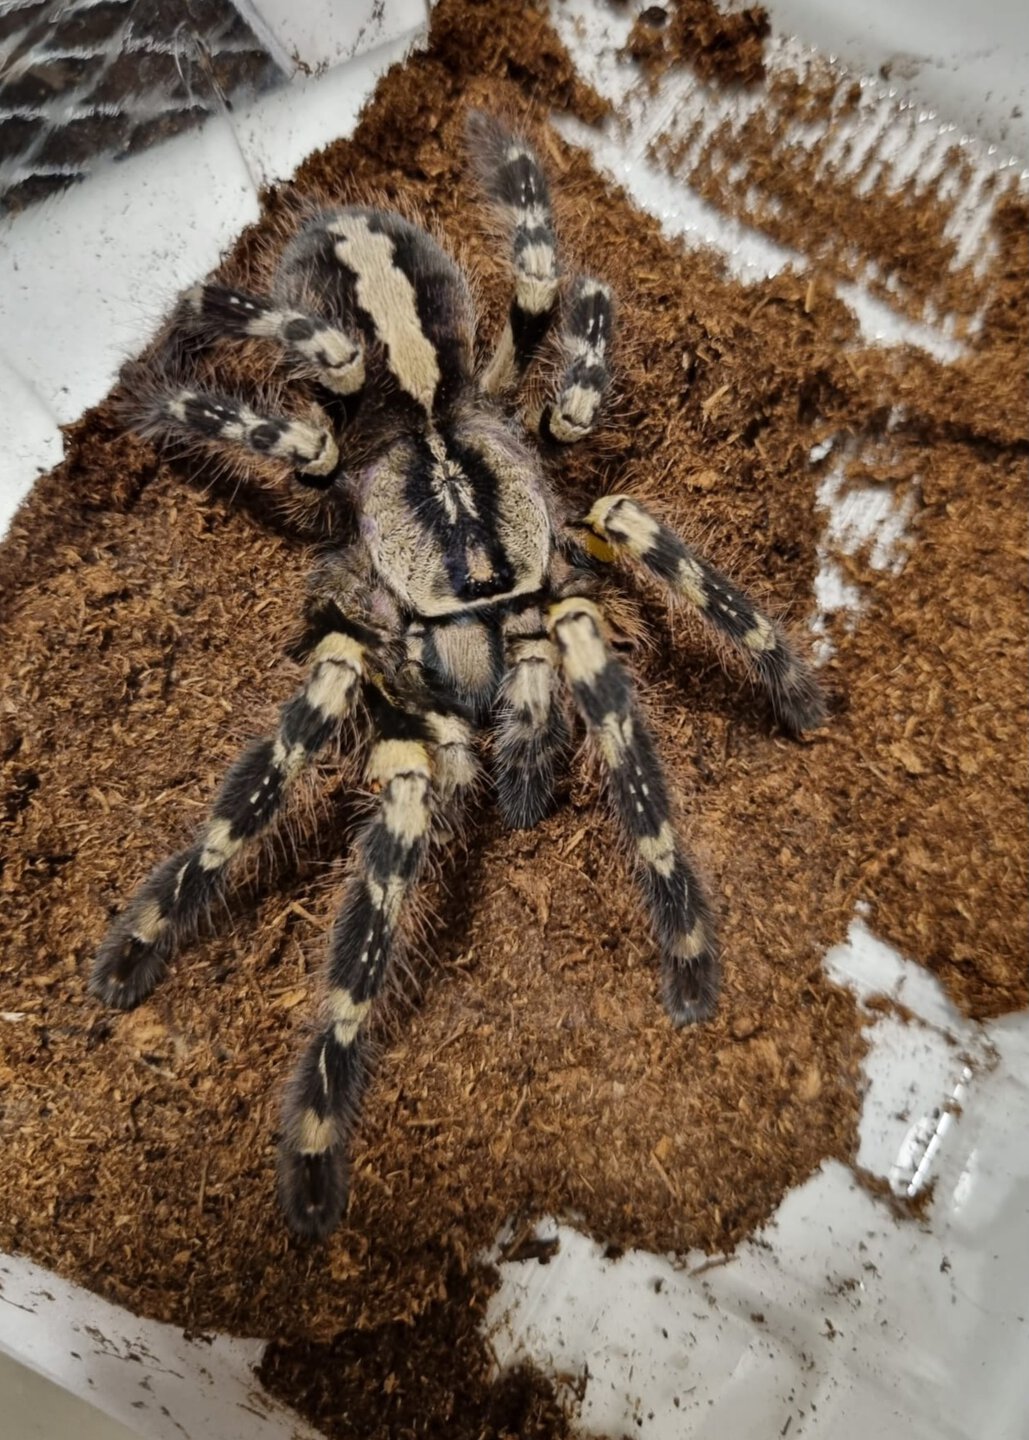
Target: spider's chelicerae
{"points": [[470, 602]]}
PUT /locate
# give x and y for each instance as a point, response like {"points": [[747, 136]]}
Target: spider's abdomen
{"points": [[374, 273]]}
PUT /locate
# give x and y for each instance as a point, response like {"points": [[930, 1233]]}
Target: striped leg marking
{"points": [[587, 334], [514, 180], [682, 920], [136, 950], [334, 357], [323, 1097], [310, 449], [622, 525], [531, 733]]}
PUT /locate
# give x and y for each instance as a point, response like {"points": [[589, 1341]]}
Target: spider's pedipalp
{"points": [[135, 953], [603, 694], [513, 178], [628, 528], [322, 1101], [334, 357], [586, 334], [531, 734], [205, 414]]}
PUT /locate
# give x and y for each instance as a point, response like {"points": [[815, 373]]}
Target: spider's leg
{"points": [[323, 1098], [513, 178], [531, 733], [330, 355], [621, 526], [136, 950], [586, 334], [603, 693], [209, 415]]}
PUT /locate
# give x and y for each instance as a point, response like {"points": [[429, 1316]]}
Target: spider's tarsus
{"points": [[126, 970], [690, 992], [797, 697], [313, 1191]]}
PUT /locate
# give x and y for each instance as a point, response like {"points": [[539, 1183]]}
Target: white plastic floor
{"points": [[837, 1321]]}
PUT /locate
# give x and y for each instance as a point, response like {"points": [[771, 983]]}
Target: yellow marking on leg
{"points": [[288, 761], [388, 898], [575, 412], [530, 682], [219, 845], [345, 1014], [632, 527], [331, 687], [536, 287], [339, 647], [600, 549], [405, 812], [658, 851], [690, 582], [762, 637], [691, 946], [578, 626], [454, 760], [149, 923], [310, 446], [615, 736], [314, 1135], [390, 758]]}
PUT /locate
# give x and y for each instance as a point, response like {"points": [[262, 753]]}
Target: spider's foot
{"points": [[523, 803], [127, 968], [797, 697], [313, 1190], [690, 986]]}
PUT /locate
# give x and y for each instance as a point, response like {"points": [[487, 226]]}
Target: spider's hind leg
{"points": [[139, 945], [420, 765], [638, 792], [531, 734]]}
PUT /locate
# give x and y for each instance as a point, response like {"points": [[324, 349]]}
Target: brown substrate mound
{"points": [[144, 621]]}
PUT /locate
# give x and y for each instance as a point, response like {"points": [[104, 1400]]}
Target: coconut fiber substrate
{"points": [[147, 612]]}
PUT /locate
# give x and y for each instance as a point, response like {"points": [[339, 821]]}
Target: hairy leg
{"points": [[513, 178], [585, 336], [418, 764], [624, 527], [603, 693], [140, 943], [334, 358], [531, 733], [209, 415]]}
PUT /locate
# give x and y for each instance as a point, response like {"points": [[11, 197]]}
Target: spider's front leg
{"points": [[139, 945], [603, 693], [420, 765], [621, 526], [330, 357]]}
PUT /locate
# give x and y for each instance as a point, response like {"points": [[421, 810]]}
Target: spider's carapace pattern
{"points": [[470, 604]]}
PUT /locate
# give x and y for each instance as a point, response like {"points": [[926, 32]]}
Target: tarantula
{"points": [[468, 603]]}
